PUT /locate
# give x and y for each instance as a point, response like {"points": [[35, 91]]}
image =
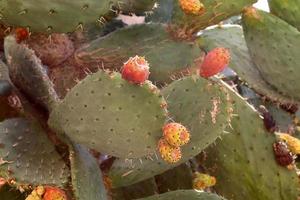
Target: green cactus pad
{"points": [[111, 115], [185, 195], [273, 45], [28, 74], [28, 156], [288, 10], [87, 179], [149, 40], [243, 161], [231, 37], [54, 15], [200, 105]]}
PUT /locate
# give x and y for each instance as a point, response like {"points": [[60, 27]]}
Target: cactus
{"points": [[25, 70], [135, 114], [85, 172], [94, 106]]}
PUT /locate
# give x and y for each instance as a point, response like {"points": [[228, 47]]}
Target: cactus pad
{"points": [[27, 73], [28, 156], [52, 16], [86, 176], [113, 116], [264, 35]]}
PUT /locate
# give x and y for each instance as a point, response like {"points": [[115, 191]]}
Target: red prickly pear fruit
{"points": [[214, 62], [176, 134], [169, 153], [136, 70], [282, 154], [52, 193], [21, 34]]}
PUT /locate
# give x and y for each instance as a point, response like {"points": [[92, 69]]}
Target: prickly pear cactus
{"points": [[85, 171], [124, 114], [25, 69], [138, 99]]}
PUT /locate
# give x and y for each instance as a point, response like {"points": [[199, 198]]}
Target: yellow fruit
{"points": [[292, 142], [169, 153], [202, 181], [191, 7], [176, 134]]}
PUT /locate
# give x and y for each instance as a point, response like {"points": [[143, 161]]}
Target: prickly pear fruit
{"points": [[214, 62], [21, 34], [202, 181], [169, 153], [52, 193], [292, 142], [176, 134], [191, 7], [282, 154], [136, 70]]}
